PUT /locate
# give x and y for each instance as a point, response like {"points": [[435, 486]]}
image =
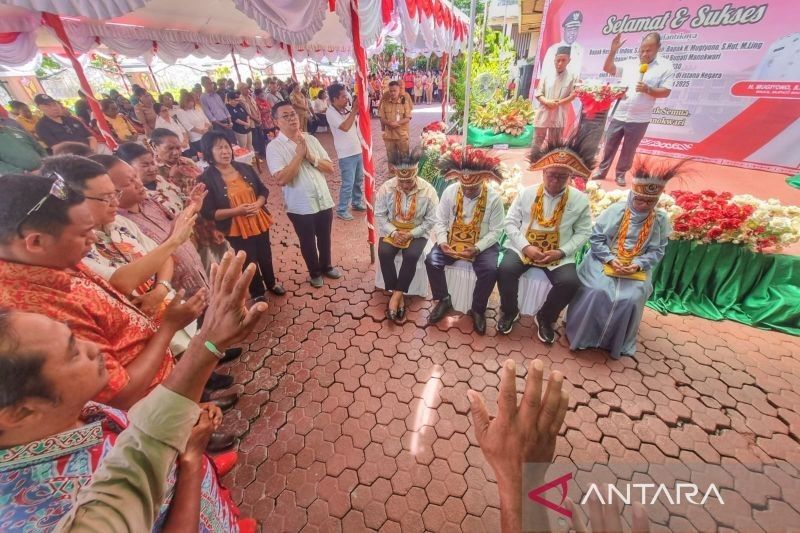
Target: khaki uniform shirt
{"points": [[393, 111], [128, 487]]}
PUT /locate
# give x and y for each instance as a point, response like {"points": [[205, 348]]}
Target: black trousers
{"points": [[411, 255], [259, 251], [228, 135], [564, 280], [484, 265], [314, 232], [259, 143]]}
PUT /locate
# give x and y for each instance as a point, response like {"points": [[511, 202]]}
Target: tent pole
{"points": [[54, 21], [365, 128], [236, 66], [468, 74], [121, 73], [446, 81], [155, 80], [445, 63], [291, 61]]}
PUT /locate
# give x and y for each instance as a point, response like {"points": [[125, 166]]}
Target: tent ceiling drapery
{"points": [[215, 28]]}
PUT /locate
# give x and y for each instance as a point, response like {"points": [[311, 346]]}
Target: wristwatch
{"points": [[166, 284]]}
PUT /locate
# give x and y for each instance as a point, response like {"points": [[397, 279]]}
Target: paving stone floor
{"points": [[348, 423]]}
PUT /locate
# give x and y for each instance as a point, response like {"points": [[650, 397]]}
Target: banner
{"points": [[736, 94]]}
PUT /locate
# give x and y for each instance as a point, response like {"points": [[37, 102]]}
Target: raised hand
{"points": [[617, 42], [197, 195], [227, 319], [183, 227], [522, 432], [180, 313]]}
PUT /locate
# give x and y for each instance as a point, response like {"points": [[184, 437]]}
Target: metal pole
{"points": [[486, 6], [236, 66], [468, 74], [155, 81]]}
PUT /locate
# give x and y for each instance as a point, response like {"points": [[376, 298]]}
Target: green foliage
{"points": [[497, 59], [221, 72], [48, 67], [429, 172]]}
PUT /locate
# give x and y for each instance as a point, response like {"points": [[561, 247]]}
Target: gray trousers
{"points": [[632, 133]]}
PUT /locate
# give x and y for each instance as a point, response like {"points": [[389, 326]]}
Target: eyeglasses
{"points": [[106, 198], [58, 190], [287, 116]]}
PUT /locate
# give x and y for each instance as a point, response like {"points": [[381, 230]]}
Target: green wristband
{"points": [[213, 349]]}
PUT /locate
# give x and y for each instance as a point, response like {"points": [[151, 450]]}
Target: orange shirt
{"points": [[240, 192], [94, 310]]}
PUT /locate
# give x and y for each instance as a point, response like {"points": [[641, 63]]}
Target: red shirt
{"points": [[408, 79], [92, 308]]}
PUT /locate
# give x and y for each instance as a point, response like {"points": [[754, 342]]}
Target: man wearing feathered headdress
{"points": [[628, 240], [546, 225], [405, 211], [469, 222]]}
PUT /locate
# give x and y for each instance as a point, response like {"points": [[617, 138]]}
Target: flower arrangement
{"points": [[709, 216], [510, 117], [511, 186], [597, 96]]}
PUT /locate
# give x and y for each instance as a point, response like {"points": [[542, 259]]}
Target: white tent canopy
{"points": [[171, 29]]}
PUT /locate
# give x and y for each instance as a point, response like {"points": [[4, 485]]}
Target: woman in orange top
{"points": [[235, 201]]}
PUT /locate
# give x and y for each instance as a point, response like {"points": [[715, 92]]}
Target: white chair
{"points": [[461, 281], [419, 284], [533, 289]]}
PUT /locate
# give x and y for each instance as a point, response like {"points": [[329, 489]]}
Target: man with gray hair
{"points": [[648, 77]]}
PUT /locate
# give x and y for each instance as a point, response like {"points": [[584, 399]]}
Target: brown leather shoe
{"points": [[220, 441]]}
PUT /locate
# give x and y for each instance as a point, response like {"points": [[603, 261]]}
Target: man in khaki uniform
{"points": [[395, 114]]}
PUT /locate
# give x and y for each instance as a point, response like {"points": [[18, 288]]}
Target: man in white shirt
{"points": [[632, 115], [347, 141], [273, 95], [320, 107], [569, 37], [546, 225], [469, 221], [554, 93], [298, 162]]}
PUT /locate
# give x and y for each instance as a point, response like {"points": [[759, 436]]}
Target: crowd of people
{"points": [[128, 277]]}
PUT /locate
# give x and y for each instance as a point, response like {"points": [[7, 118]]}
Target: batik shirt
{"points": [[94, 310], [167, 194], [39, 480]]}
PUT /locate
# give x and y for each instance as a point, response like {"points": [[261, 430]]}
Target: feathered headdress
{"points": [[404, 165], [472, 167], [650, 176], [575, 153]]}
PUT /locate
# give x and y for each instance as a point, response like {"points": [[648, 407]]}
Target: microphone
{"points": [[642, 69]]}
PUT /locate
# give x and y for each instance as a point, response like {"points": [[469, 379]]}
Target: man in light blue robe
{"points": [[607, 310]]}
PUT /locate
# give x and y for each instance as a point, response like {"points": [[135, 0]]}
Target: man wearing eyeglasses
{"points": [[299, 163], [46, 229]]}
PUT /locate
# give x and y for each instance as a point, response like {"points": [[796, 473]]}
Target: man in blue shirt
{"points": [[215, 109]]}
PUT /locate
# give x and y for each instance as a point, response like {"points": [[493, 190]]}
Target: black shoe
{"points": [[545, 331], [479, 322], [441, 309], [277, 290], [219, 381], [506, 322], [231, 354], [220, 441], [621, 181], [224, 402], [332, 273]]}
